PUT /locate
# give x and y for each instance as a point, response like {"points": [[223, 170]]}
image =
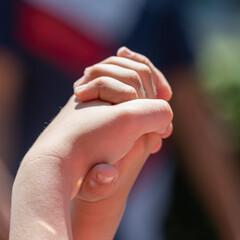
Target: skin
{"points": [[221, 178], [58, 159], [142, 77], [95, 194]]}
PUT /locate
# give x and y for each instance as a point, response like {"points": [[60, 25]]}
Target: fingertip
{"points": [[80, 92], [169, 93], [80, 89], [165, 94], [120, 50], [124, 52], [157, 147], [168, 132], [78, 82]]}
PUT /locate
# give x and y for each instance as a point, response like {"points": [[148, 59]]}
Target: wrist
{"points": [[97, 220]]}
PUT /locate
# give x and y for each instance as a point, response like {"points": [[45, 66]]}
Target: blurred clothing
{"points": [[6, 18], [75, 34]]}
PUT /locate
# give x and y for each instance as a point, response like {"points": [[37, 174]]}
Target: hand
{"points": [[115, 87], [79, 128], [119, 79], [104, 182], [81, 136]]}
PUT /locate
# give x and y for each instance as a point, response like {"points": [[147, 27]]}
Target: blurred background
{"points": [[213, 28], [190, 190]]}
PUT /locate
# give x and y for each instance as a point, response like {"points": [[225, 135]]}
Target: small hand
{"points": [[121, 78], [107, 186]]}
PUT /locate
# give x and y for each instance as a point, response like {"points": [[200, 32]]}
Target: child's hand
{"points": [[163, 89], [106, 186], [119, 79]]}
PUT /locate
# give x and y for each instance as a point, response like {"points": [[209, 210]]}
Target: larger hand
{"points": [[81, 136]]}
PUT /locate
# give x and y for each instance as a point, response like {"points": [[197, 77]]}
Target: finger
{"points": [[157, 147], [99, 183], [145, 116], [163, 88], [106, 89], [168, 131], [127, 76], [142, 69], [136, 158]]}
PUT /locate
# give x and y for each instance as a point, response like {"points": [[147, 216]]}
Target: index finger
{"points": [[164, 90]]}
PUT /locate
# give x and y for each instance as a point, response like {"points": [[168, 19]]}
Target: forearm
{"points": [[40, 202]]}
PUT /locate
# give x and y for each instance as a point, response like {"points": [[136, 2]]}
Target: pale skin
{"points": [[208, 160], [216, 177], [81, 136], [125, 171]]}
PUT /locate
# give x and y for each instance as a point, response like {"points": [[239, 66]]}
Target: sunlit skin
{"points": [[75, 146]]}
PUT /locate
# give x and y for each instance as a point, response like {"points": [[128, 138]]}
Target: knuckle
{"points": [[99, 82], [127, 117], [111, 59], [146, 61], [134, 78], [146, 72], [87, 71], [167, 110], [132, 93], [93, 70]]}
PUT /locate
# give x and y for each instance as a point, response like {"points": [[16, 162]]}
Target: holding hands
{"points": [[92, 152], [127, 76]]}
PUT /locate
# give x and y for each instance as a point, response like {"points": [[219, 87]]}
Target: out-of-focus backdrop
{"points": [[190, 190], [214, 30]]}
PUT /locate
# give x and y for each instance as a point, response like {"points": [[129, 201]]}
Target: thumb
{"points": [[98, 183]]}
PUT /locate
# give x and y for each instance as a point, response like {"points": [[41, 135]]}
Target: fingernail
{"points": [[104, 179], [78, 82], [80, 88], [127, 51], [92, 183]]}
